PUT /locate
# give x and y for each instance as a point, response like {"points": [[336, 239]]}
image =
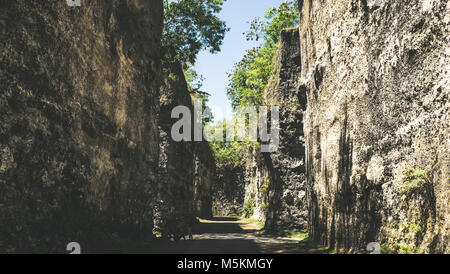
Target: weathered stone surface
{"points": [[286, 208], [229, 190], [258, 179], [187, 168], [204, 179], [79, 146], [175, 193], [272, 185], [376, 78]]}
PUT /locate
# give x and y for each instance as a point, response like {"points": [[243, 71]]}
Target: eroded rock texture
{"points": [[204, 178], [286, 208], [229, 190], [79, 144], [175, 194], [270, 187], [258, 181], [377, 126]]}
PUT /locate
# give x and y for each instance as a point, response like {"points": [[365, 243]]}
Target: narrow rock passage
{"points": [[227, 235]]}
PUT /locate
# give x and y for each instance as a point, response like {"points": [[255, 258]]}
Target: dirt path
{"points": [[231, 236]]}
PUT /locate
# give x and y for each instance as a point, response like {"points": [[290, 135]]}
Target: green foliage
{"points": [[157, 234], [386, 249], [288, 234], [264, 206], [264, 187], [249, 208], [275, 20], [251, 75], [400, 248], [403, 239], [191, 26], [413, 179], [194, 80], [173, 77], [228, 152]]}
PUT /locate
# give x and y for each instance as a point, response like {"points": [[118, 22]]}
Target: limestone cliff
{"points": [[375, 74], [85, 147], [175, 193], [286, 207], [78, 134], [204, 178], [271, 186], [229, 190]]}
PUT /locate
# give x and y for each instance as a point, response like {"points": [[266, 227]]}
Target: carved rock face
{"points": [[78, 135], [375, 74]]}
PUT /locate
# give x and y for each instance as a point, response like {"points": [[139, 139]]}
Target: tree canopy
{"points": [[250, 76], [191, 26]]}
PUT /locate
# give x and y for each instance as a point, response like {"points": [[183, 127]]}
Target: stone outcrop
{"points": [[78, 132], [375, 74], [286, 208], [187, 169], [258, 181], [271, 186], [229, 190], [85, 147], [204, 178], [175, 193]]}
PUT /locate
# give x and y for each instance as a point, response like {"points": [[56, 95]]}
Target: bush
{"points": [[249, 208]]}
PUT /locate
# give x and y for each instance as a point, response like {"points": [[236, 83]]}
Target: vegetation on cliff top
{"points": [[251, 75], [191, 26]]}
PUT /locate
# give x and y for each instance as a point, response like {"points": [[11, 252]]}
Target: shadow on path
{"points": [[227, 235]]}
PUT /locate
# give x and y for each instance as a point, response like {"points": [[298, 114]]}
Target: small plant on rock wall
{"points": [[403, 238], [264, 187], [413, 179], [264, 206]]}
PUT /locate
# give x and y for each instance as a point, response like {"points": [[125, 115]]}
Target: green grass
{"points": [[311, 247]]}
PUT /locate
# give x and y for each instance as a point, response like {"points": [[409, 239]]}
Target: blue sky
{"points": [[214, 67]]}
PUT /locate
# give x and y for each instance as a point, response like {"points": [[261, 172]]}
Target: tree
{"points": [[250, 76], [194, 80], [191, 26]]}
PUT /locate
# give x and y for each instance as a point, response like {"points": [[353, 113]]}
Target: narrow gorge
{"points": [[87, 154]]}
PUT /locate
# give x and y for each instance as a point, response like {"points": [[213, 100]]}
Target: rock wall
{"points": [[79, 139], [376, 78], [257, 182], [204, 179], [286, 208], [271, 186], [175, 193]]}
